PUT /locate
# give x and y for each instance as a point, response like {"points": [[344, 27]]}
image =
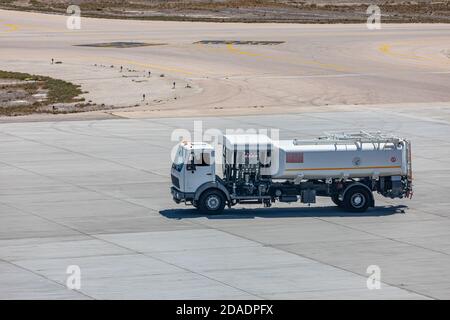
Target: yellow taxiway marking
{"points": [[11, 27], [387, 50], [232, 49]]}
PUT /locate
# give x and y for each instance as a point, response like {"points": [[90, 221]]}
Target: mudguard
{"points": [[211, 185]]}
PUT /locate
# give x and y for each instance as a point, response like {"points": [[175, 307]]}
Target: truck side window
{"points": [[202, 158]]}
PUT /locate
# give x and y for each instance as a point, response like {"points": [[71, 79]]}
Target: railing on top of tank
{"points": [[358, 137]]}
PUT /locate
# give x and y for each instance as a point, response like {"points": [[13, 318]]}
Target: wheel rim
{"points": [[358, 200], [213, 202]]}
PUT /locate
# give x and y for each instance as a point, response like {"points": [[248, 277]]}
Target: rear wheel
{"points": [[357, 199], [211, 202]]}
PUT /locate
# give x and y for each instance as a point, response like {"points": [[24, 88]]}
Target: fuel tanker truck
{"points": [[255, 169]]}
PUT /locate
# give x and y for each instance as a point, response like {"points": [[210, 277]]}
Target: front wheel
{"points": [[211, 202], [357, 199], [336, 201]]}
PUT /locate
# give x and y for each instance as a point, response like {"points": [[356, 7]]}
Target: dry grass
{"points": [[58, 91]]}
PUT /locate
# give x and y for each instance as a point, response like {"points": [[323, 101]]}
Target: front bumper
{"points": [[179, 196]]}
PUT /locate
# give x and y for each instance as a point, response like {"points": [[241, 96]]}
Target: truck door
{"points": [[200, 169], [178, 168]]}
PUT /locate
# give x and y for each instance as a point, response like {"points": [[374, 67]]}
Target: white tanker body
{"points": [[330, 160], [348, 168]]}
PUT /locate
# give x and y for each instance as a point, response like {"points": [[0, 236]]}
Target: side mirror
{"points": [[191, 165]]}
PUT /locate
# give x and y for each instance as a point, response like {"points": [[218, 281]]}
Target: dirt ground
{"points": [[296, 11], [227, 68]]}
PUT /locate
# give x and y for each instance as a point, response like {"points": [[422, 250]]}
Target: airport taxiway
{"points": [[96, 194]]}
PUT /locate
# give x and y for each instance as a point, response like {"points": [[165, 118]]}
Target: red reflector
{"points": [[294, 157]]}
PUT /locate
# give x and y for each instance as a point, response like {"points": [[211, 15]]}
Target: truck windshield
{"points": [[179, 160]]}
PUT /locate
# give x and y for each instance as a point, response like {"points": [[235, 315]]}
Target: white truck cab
{"points": [[193, 167]]}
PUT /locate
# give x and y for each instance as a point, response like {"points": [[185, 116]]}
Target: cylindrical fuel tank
{"points": [[322, 161]]}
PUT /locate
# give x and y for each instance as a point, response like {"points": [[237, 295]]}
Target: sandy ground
{"points": [[95, 193], [316, 66]]}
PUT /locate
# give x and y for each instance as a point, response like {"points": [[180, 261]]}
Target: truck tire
{"points": [[357, 199], [336, 201], [211, 202]]}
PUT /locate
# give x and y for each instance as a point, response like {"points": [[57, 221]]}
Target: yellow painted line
{"points": [[334, 67], [353, 168], [387, 50], [231, 49], [11, 27]]}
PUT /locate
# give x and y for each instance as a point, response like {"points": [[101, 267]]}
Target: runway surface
{"points": [[96, 194], [315, 66]]}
